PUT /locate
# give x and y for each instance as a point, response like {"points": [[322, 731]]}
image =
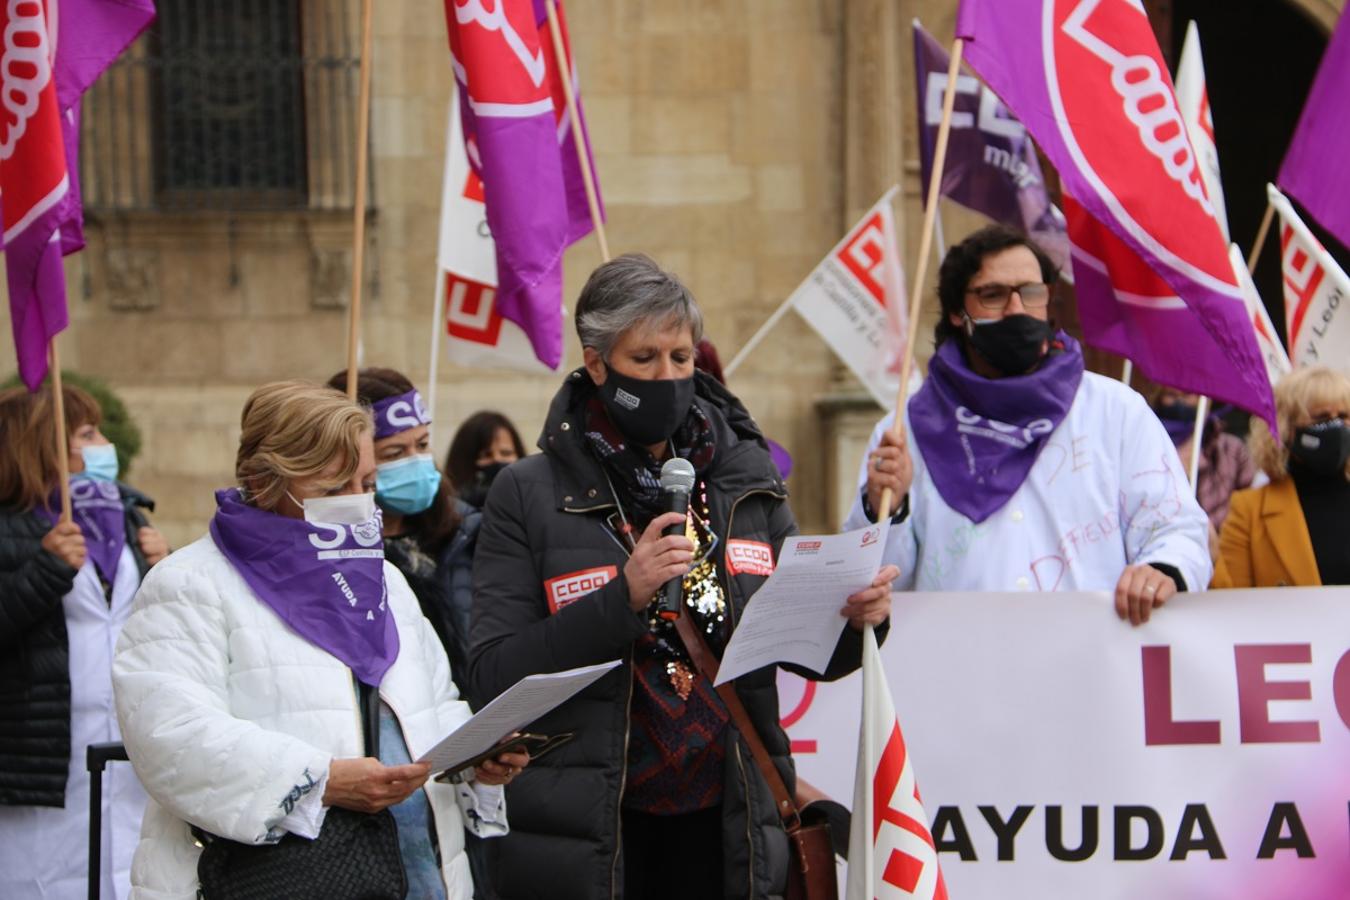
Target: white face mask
{"points": [[344, 509]]}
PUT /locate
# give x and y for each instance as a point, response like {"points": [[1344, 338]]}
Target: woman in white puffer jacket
{"points": [[234, 676]]}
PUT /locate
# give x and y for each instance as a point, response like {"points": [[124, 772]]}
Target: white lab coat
{"points": [[1107, 491], [44, 850]]}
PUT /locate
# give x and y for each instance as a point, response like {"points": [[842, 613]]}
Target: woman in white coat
{"points": [[235, 675]]}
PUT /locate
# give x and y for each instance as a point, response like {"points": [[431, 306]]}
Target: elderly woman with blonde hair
{"points": [[277, 675], [1292, 530]]}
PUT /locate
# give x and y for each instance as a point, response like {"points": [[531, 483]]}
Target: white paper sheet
{"points": [[521, 704], [794, 617]]}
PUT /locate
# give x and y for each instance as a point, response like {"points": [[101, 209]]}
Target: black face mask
{"points": [[1322, 448], [1177, 412], [475, 494], [1012, 344], [646, 411]]}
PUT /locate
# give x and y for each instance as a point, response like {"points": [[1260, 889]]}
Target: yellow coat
{"points": [[1265, 542]]}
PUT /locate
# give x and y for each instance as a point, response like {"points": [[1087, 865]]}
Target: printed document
{"points": [[526, 700], [794, 617]]}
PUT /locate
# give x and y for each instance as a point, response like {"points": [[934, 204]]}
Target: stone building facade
{"points": [[734, 141]]}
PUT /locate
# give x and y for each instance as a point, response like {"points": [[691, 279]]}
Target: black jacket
{"points": [[546, 519], [35, 656]]}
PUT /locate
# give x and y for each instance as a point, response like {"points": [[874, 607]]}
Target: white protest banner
{"points": [[855, 300], [477, 335], [1315, 289], [1064, 754], [1267, 338], [1193, 103]]}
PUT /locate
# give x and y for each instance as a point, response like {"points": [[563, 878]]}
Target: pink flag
{"points": [[42, 83], [891, 853], [1151, 265], [1314, 168], [519, 141]]}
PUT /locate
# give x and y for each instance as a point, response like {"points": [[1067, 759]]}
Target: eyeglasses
{"points": [[1033, 294]]}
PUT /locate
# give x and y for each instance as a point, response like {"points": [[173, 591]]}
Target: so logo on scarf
{"points": [[367, 536], [973, 423]]}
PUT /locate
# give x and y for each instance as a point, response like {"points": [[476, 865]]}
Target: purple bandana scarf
{"points": [[980, 436], [325, 581], [96, 507], [398, 414]]}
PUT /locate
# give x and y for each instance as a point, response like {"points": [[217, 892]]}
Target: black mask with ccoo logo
{"points": [[646, 411]]}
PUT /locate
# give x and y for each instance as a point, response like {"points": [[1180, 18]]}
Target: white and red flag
{"points": [[1316, 292], [1150, 261], [891, 854], [1193, 101], [855, 300], [1267, 338], [477, 336]]}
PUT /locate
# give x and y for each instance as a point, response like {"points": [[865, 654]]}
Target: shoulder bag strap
{"points": [[707, 666], [370, 718]]}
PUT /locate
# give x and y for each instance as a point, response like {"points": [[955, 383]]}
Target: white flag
{"points": [[1316, 290], [1193, 100], [891, 854], [477, 336], [855, 300], [1267, 339]]}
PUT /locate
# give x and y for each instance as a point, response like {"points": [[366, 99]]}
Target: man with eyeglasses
{"points": [[1017, 469]]}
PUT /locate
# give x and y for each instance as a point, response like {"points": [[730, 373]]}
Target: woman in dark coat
{"points": [[65, 592], [656, 795]]}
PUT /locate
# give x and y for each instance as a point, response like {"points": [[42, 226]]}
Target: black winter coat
{"points": [[545, 519], [35, 656]]}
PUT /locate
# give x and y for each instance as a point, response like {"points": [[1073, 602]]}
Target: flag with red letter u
{"points": [[1150, 262], [891, 855]]}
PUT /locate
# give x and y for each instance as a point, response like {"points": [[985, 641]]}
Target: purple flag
{"points": [[519, 141], [991, 165], [1087, 78], [38, 150], [1314, 168]]}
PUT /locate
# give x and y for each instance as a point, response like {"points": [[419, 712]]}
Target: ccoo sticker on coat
{"points": [[566, 589], [749, 558]]}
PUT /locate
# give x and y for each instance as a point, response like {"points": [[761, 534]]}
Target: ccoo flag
{"points": [[991, 165], [1314, 167], [1151, 264], [1315, 292], [1267, 338], [891, 854], [1193, 101], [477, 336], [855, 300], [48, 61], [519, 140]]}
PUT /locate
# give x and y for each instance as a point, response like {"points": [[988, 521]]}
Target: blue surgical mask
{"points": [[407, 485], [100, 462]]}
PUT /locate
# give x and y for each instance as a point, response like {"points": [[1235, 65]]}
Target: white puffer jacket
{"points": [[225, 710]]}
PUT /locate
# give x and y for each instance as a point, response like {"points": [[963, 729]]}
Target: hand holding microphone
{"points": [[663, 554]]}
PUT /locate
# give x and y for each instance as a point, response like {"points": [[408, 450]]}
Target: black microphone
{"points": [[677, 480]]}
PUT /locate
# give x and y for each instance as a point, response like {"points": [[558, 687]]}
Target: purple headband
{"points": [[397, 414]]}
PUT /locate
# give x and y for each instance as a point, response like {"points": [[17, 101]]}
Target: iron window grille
{"points": [[228, 105]]}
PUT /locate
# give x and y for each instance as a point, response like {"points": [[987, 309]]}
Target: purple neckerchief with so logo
{"points": [[980, 436], [325, 581], [96, 506], [397, 414]]}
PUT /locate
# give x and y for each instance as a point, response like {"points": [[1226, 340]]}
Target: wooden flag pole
{"points": [[62, 439], [1193, 468], [359, 213], [437, 335], [1127, 372], [925, 247], [578, 135], [1260, 238]]}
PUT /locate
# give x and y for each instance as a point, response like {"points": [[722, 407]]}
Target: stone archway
{"points": [[1323, 12]]}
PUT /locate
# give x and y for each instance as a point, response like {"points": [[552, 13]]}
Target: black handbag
{"points": [[355, 857]]}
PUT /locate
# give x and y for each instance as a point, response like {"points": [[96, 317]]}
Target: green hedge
{"points": [[117, 423]]}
